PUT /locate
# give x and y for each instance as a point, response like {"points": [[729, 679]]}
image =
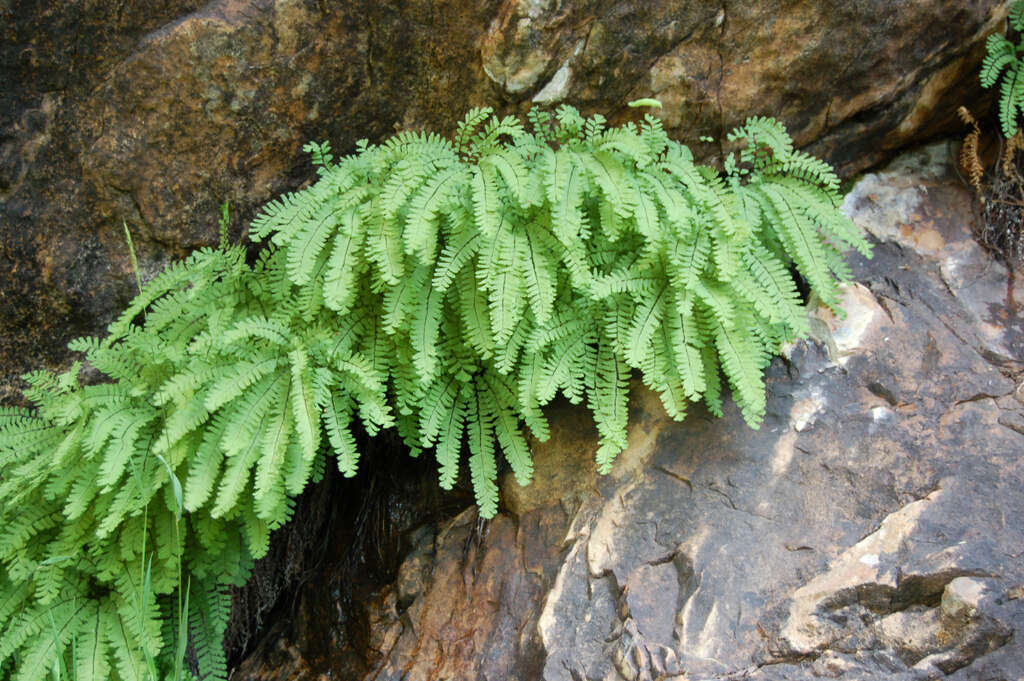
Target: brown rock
{"points": [[160, 118]]}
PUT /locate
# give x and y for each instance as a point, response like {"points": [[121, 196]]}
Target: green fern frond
{"points": [[232, 381], [92, 655], [771, 292], [716, 298], [184, 420], [490, 138], [528, 389], [606, 172], [664, 377], [743, 360], [345, 265], [63, 622], [454, 257], [565, 367], [336, 416], [275, 331], [205, 465], [761, 131], [138, 613], [1011, 98], [307, 425], [474, 312], [122, 446], [506, 426], [426, 324], [1000, 54], [810, 170], [506, 289], [208, 614], [483, 469], [400, 300], [681, 336], [439, 402], [712, 383], [564, 184], [384, 249], [645, 322], [1002, 60], [244, 437], [608, 397], [425, 210], [467, 127], [306, 246], [802, 242], [1016, 15], [537, 271], [449, 438]]}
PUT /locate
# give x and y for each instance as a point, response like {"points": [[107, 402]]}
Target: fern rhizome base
{"points": [[448, 289]]}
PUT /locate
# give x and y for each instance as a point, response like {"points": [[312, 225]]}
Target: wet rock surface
{"points": [[869, 529], [152, 114]]}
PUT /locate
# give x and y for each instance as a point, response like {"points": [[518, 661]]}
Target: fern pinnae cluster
{"points": [[449, 289], [557, 232], [1002, 61]]}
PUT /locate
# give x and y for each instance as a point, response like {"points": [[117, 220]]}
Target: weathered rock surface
{"points": [[870, 529], [155, 113]]}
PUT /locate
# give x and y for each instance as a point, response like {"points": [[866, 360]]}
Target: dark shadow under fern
{"points": [[346, 541]]}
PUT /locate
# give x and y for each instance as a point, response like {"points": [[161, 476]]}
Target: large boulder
{"points": [[150, 115], [869, 529]]}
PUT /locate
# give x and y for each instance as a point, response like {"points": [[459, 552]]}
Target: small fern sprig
{"points": [[447, 289], [1002, 61]]}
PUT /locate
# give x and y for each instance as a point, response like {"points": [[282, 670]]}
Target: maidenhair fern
{"points": [[449, 289], [1003, 60]]}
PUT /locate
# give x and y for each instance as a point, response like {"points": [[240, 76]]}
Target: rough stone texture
{"points": [[154, 113], [869, 529]]}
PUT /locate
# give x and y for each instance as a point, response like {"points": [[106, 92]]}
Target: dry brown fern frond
{"points": [[1013, 145], [970, 160]]}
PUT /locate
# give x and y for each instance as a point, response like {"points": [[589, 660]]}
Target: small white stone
{"points": [[869, 559], [557, 87], [804, 412], [961, 597], [881, 414]]}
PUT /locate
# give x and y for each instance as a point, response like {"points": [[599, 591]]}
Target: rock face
{"points": [[869, 529], [152, 114]]}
